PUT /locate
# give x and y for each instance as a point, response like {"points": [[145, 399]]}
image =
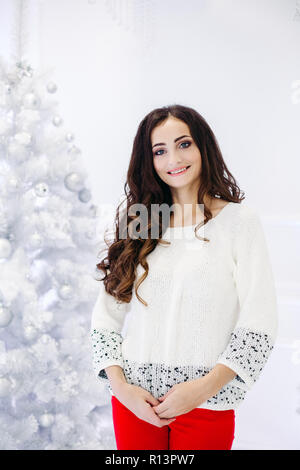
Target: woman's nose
{"points": [[174, 157]]}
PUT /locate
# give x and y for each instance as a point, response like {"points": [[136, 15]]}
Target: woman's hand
{"points": [[140, 402], [182, 398]]}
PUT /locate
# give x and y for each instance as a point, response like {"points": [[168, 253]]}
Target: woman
{"points": [[200, 310]]}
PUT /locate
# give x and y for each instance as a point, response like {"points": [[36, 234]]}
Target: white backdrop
{"points": [[236, 62]]}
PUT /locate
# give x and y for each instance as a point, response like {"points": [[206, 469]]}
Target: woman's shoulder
{"points": [[247, 211], [244, 209], [246, 220], [238, 216]]}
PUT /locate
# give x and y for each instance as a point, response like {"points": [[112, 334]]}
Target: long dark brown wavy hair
{"points": [[143, 186]]}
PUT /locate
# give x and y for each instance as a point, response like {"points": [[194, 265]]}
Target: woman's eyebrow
{"points": [[161, 143]]}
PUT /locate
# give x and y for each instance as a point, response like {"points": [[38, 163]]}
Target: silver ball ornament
{"points": [[57, 121], [84, 195], [73, 182], [69, 137], [51, 87], [41, 189], [46, 420]]}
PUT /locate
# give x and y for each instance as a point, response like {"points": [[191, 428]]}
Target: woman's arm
{"points": [[115, 376], [107, 321], [216, 379], [255, 332]]}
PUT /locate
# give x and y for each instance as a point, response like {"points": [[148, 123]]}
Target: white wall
{"points": [[235, 62]]}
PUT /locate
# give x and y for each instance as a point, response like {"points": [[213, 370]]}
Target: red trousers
{"points": [[199, 429]]}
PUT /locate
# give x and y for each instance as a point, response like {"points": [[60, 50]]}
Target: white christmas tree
{"points": [[49, 396]]}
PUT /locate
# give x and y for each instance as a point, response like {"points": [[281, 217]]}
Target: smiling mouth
{"points": [[179, 172]]}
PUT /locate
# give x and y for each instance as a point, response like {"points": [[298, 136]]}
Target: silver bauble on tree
{"points": [[69, 137], [73, 182], [57, 121], [41, 189], [46, 420], [51, 87], [84, 195]]}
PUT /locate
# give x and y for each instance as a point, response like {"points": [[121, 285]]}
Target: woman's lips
{"points": [[181, 172]]}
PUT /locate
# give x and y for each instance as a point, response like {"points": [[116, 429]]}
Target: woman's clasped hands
{"points": [[182, 398]]}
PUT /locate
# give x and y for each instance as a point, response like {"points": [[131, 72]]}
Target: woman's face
{"points": [[174, 148]]}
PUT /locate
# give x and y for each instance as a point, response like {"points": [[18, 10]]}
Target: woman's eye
{"points": [[182, 143], [186, 143]]}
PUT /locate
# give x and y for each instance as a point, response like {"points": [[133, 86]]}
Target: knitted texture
{"points": [[208, 303]]}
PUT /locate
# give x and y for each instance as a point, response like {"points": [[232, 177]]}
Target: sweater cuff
{"points": [[246, 354], [106, 351]]}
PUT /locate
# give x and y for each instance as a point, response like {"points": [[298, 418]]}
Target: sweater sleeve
{"points": [[107, 321], [255, 331]]}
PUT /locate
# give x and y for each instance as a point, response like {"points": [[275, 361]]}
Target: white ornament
{"points": [[5, 248], [31, 101], [6, 316], [5, 387], [41, 189], [73, 182], [57, 121], [69, 137], [46, 420], [84, 195], [51, 87], [65, 292]]}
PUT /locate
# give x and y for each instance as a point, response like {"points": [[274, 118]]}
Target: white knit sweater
{"points": [[208, 303]]}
